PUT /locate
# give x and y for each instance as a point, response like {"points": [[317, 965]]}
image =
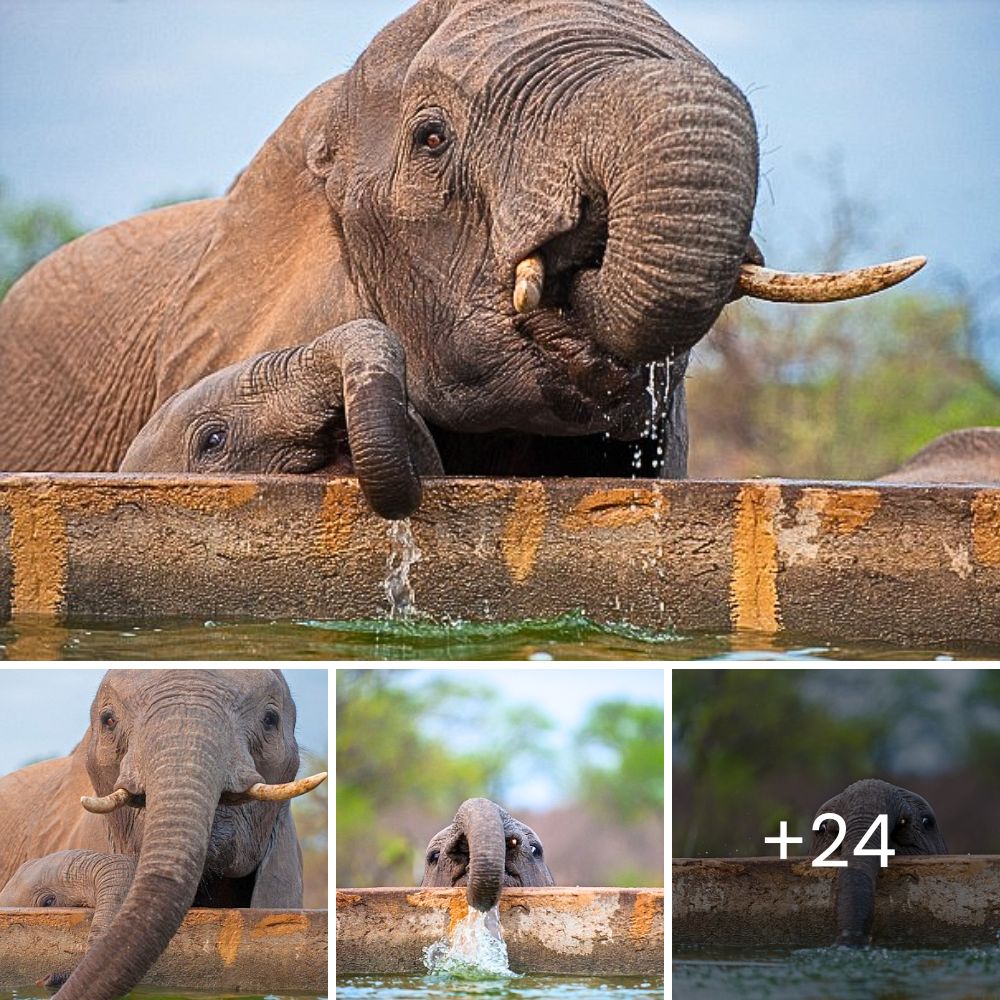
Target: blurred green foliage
{"points": [[310, 813], [29, 232], [396, 771], [754, 747]]}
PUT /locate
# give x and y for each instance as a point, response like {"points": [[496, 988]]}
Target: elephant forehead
{"points": [[234, 686]]}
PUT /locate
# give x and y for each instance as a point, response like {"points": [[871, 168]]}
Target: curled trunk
{"points": [[679, 171]]}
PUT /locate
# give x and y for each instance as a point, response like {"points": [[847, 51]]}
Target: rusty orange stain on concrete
{"points": [[39, 552], [455, 903], [644, 912], [347, 899], [754, 588], [58, 918], [280, 924], [230, 935], [986, 527], [841, 512], [618, 508], [524, 529], [338, 515]]}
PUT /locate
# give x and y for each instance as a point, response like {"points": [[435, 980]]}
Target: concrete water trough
{"points": [[911, 564], [263, 951], [929, 902], [581, 931]]}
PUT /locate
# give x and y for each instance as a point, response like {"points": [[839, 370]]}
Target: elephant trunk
{"points": [[680, 175], [368, 361], [184, 779], [856, 883], [109, 877], [482, 823]]}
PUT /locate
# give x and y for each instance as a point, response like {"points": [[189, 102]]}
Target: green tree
{"points": [[620, 752], [30, 232]]}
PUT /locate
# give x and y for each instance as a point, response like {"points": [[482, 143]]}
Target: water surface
{"points": [[161, 993], [522, 987], [568, 637], [836, 974]]}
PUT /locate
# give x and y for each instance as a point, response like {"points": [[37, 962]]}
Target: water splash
{"points": [[403, 553], [655, 428], [475, 950]]}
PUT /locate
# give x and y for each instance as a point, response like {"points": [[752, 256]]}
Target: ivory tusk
{"points": [[279, 793], [105, 803], [529, 283], [783, 286]]}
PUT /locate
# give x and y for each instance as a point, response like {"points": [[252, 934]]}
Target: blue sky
{"points": [[107, 105], [46, 712]]}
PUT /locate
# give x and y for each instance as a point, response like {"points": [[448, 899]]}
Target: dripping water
{"points": [[403, 553], [475, 949], [655, 428]]}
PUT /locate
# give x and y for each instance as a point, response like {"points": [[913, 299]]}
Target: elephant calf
{"points": [[336, 405], [912, 828], [485, 848], [73, 878]]}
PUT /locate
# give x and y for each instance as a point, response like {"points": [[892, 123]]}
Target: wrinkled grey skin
{"points": [[337, 405], [181, 742], [90, 879], [470, 134], [912, 828], [484, 848], [971, 455]]}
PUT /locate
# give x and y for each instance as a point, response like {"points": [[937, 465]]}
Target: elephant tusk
{"points": [[529, 283], [105, 803], [783, 286], [279, 793]]}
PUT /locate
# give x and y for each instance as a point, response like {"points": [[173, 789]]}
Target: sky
{"points": [[108, 105], [565, 696], [47, 712]]}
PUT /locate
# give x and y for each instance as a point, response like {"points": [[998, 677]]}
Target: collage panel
{"points": [[836, 833], [500, 832]]}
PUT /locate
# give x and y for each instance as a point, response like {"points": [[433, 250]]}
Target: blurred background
{"points": [[880, 138], [47, 713], [754, 747], [575, 754]]}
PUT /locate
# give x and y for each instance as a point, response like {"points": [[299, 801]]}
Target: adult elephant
{"points": [[484, 848], [540, 198], [192, 770], [971, 455], [912, 829]]}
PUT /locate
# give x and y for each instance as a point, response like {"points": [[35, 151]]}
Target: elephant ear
{"points": [[279, 875]]}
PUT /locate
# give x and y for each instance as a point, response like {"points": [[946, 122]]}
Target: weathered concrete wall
{"points": [[927, 901], [270, 951], [900, 563], [571, 931]]}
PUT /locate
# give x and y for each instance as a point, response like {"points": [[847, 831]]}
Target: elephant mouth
{"points": [[461, 878]]}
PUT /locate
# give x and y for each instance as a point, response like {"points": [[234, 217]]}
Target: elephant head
{"points": [[192, 770], [336, 405], [541, 198], [971, 455], [72, 878], [485, 848], [912, 828]]}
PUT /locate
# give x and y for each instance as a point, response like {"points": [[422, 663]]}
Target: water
{"points": [[567, 637], [403, 553], [524, 987], [474, 951], [154, 993], [836, 974]]}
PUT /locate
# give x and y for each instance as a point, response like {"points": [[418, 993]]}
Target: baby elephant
{"points": [[335, 405], [485, 848], [72, 878], [912, 828]]}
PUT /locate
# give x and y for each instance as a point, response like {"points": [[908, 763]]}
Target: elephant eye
{"points": [[48, 900], [270, 719], [432, 858], [823, 828], [536, 850], [431, 137], [108, 720], [928, 822], [213, 439]]}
